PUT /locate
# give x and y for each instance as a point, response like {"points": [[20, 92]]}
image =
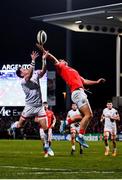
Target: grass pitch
{"points": [[23, 159]]}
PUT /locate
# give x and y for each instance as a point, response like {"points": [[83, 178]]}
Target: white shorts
{"points": [[30, 111], [74, 128], [111, 129], [79, 97], [42, 134]]}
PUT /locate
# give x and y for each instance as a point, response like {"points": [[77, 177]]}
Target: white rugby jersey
{"points": [[32, 90], [72, 113], [109, 112]]}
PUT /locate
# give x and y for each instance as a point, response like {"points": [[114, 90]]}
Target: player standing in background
{"points": [[110, 116], [33, 97], [74, 127], [76, 84], [46, 136]]}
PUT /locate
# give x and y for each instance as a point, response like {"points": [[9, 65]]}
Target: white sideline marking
{"points": [[60, 170], [76, 172], [32, 168]]}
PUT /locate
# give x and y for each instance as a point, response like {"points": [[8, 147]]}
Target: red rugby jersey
{"points": [[50, 117], [70, 76]]}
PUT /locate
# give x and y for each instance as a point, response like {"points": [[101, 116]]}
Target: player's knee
{"points": [[114, 143], [45, 127], [21, 122], [105, 138], [113, 140], [89, 116]]}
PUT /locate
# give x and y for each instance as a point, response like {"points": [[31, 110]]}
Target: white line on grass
{"points": [[59, 170], [76, 172]]}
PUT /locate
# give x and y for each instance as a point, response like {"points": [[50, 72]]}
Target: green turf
{"points": [[23, 159]]}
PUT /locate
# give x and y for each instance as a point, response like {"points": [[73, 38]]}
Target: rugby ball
{"points": [[41, 37]]}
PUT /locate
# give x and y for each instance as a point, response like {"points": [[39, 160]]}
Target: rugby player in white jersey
{"points": [[74, 127], [110, 116], [31, 87]]}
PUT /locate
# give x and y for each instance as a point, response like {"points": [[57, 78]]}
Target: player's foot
{"points": [[106, 152], [50, 152], [72, 152], [114, 153], [62, 127], [45, 155], [82, 141]]}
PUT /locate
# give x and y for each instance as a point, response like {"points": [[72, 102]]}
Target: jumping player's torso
{"points": [[32, 90], [70, 76]]}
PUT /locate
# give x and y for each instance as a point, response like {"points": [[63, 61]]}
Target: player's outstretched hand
{"points": [[34, 55], [41, 48], [101, 80]]}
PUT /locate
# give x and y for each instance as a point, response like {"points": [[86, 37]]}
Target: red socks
{"points": [[82, 131]]}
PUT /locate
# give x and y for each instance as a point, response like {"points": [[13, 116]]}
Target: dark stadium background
{"points": [[93, 55]]}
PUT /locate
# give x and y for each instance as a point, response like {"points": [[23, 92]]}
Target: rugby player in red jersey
{"points": [[76, 84], [46, 137]]}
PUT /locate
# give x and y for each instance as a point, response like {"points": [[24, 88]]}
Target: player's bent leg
{"points": [[87, 116], [42, 121], [21, 122]]}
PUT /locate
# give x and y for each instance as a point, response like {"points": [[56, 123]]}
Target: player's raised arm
{"points": [[44, 65], [92, 82], [34, 55], [47, 55]]}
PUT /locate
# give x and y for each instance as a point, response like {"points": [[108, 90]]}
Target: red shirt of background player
{"points": [[70, 76], [50, 117]]}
